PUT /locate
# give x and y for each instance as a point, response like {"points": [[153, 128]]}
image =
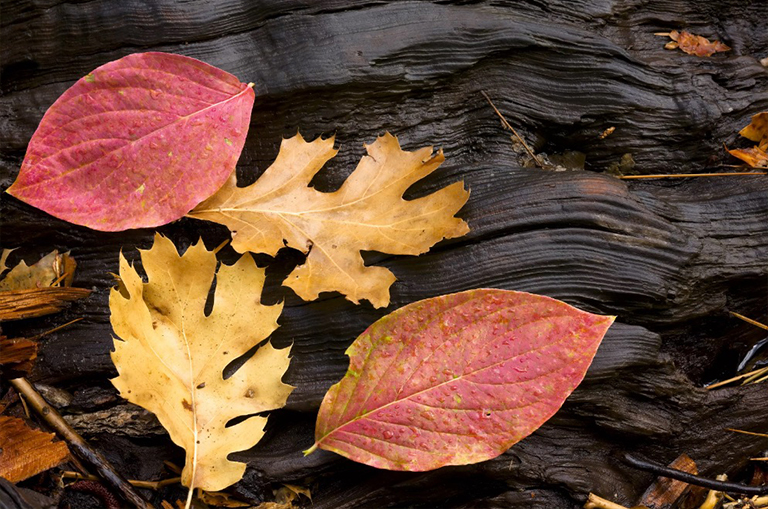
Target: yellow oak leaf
{"points": [[366, 213], [172, 355]]}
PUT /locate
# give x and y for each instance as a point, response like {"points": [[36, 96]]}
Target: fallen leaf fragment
{"points": [[757, 130], [25, 452], [136, 143], [172, 356], [29, 291], [755, 157], [221, 499], [4, 258], [456, 379], [16, 357], [694, 44], [50, 269], [366, 213]]}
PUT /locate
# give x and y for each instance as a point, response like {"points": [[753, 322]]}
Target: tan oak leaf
{"points": [[171, 356], [367, 212]]}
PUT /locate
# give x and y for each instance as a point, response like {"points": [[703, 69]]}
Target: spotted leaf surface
{"points": [[136, 143], [457, 379], [171, 355]]}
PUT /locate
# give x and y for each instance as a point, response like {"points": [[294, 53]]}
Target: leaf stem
{"points": [[311, 449]]}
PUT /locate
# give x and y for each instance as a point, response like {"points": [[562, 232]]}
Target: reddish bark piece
{"points": [[25, 452], [136, 143], [457, 379]]}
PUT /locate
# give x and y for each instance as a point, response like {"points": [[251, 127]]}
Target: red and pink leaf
{"points": [[457, 379], [136, 143]]}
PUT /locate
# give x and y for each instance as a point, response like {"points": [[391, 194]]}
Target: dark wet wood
{"points": [[669, 257]]}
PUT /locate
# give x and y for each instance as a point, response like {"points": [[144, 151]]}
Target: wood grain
{"points": [[669, 257]]}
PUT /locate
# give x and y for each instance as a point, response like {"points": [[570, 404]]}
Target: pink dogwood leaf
{"points": [[136, 143], [457, 379]]}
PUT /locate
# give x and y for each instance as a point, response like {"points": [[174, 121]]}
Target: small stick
{"points": [[755, 378], [685, 175], [694, 479], [508, 126], [758, 371], [762, 435], [77, 444], [221, 246], [152, 485], [55, 329], [595, 502], [749, 320]]}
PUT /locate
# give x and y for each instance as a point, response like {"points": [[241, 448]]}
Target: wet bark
{"points": [[669, 257]]}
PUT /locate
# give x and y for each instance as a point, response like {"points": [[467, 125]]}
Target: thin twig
{"points": [[152, 485], [685, 175], [55, 329], [761, 435], [509, 126], [758, 371], [749, 320], [77, 444], [695, 480], [595, 502]]}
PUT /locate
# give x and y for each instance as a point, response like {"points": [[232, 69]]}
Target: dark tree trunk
{"points": [[669, 257]]}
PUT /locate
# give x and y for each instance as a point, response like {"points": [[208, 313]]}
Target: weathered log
{"points": [[669, 257]]}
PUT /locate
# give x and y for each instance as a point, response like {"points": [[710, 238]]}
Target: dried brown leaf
{"points": [[694, 44], [755, 157], [25, 452], [757, 130]]}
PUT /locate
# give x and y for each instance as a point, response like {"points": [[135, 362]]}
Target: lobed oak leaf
{"points": [[25, 452], [136, 143], [366, 213], [172, 355], [456, 379]]}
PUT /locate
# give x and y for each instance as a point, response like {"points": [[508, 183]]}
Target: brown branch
{"points": [[77, 444]]}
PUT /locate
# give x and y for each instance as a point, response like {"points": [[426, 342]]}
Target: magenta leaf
{"points": [[136, 143], [457, 379]]}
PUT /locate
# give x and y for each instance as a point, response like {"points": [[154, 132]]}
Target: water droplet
{"points": [[154, 93], [154, 145], [521, 369], [433, 379], [454, 387], [388, 434]]}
